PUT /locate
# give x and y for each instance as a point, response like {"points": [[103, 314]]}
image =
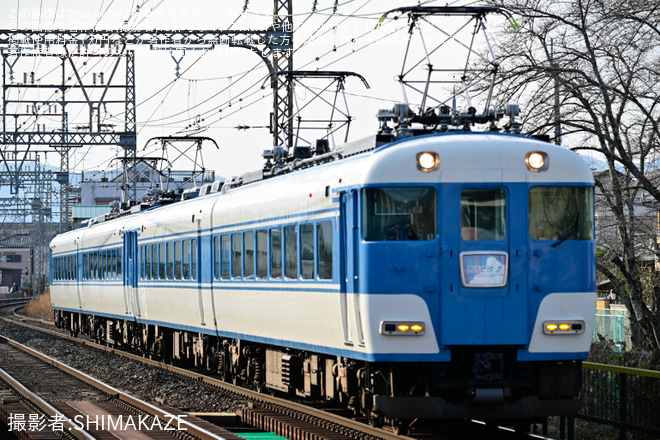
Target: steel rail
{"points": [[162, 414], [45, 407], [260, 398]]}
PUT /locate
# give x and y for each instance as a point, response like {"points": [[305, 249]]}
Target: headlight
{"points": [[563, 327], [428, 161], [537, 161]]}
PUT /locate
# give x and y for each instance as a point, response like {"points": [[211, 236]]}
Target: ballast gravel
{"points": [[148, 383]]}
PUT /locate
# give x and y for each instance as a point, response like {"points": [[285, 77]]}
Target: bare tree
{"points": [[587, 72]]}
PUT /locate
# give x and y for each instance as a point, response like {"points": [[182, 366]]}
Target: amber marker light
{"points": [[537, 161], [428, 161], [393, 328], [564, 327]]}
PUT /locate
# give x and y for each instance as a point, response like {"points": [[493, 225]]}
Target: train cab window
{"points": [[236, 255], [561, 213], [291, 252], [396, 214], [307, 251], [248, 249], [324, 233], [262, 254], [276, 254], [483, 214]]}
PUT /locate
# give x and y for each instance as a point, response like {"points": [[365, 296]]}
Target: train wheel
{"points": [[522, 427], [400, 427], [376, 420]]}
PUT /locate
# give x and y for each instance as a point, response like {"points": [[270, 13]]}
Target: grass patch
{"points": [[40, 307]]}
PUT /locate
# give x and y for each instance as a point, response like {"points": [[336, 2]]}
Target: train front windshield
{"points": [[561, 213], [410, 213], [483, 214]]}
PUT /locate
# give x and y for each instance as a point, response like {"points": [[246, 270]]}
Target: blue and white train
{"points": [[446, 275]]}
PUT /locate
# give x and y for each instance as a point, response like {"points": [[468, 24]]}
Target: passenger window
{"points": [[178, 270], [395, 214], [170, 261], [248, 248], [225, 257], [162, 251], [147, 262], [307, 251], [483, 214], [276, 254], [186, 259], [193, 259], [262, 254], [324, 233], [216, 257], [291, 252], [236, 259], [561, 213], [154, 261]]}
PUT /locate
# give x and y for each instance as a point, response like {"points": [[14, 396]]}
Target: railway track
{"points": [[266, 412], [53, 398], [285, 418]]}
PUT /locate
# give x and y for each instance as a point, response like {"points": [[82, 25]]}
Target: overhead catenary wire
{"points": [[259, 65], [198, 104]]}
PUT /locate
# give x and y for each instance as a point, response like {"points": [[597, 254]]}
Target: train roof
{"points": [[476, 157]]}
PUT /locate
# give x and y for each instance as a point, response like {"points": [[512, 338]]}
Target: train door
{"points": [[131, 273], [349, 295], [197, 265], [484, 286]]}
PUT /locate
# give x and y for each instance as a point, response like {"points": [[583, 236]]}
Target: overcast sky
{"points": [[220, 89]]}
